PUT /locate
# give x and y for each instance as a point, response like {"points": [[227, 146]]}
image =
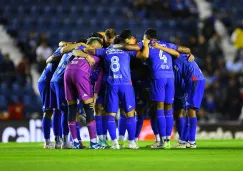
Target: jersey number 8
{"points": [[162, 57], [115, 66]]}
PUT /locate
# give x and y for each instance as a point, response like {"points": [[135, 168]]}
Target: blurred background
{"points": [[31, 29]]}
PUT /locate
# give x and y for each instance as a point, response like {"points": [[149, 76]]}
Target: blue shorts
{"points": [[58, 93], [141, 88], [180, 96], [123, 94], [44, 86], [101, 96], [195, 92], [162, 90]]}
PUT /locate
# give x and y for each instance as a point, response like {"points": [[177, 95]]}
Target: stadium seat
{"points": [[3, 104], [4, 90]]}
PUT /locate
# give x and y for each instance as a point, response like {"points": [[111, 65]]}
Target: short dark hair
{"points": [[81, 40], [93, 39], [119, 40], [96, 34], [151, 33], [126, 34], [110, 33]]}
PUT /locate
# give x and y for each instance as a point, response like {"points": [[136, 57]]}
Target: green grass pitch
{"points": [[212, 155]]}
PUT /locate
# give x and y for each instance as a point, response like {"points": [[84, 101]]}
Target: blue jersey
{"points": [[187, 70], [160, 62], [50, 68], [117, 65], [58, 75]]}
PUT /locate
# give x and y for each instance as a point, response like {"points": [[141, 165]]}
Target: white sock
{"points": [[75, 140], [104, 137], [182, 142], [121, 137], [47, 141], [65, 139], [192, 142], [131, 142], [168, 138], [94, 140], [157, 138], [100, 137], [136, 139], [115, 141]]}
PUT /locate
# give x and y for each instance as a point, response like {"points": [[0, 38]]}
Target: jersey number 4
{"points": [[162, 57]]}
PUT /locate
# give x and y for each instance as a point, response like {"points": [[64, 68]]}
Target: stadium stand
{"points": [[32, 22]]}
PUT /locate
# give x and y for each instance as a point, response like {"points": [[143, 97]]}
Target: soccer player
{"points": [[140, 79], [44, 89], [190, 83], [162, 86], [119, 88], [101, 117], [78, 85], [57, 91]]}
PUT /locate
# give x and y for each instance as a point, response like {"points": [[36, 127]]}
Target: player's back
{"points": [[160, 63], [190, 70], [59, 73], [82, 64], [117, 66], [50, 67]]}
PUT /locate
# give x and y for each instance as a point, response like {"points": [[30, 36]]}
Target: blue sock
{"points": [[122, 125], [99, 124], [169, 122], [56, 123], [131, 127], [104, 125], [78, 130], [192, 129], [112, 127], [180, 124], [161, 123], [154, 125], [64, 122], [139, 125], [185, 131], [46, 127]]}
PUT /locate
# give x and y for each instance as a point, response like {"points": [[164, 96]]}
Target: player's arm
{"points": [[144, 53], [183, 49], [81, 54], [168, 50], [70, 47], [127, 47], [53, 59], [63, 43]]}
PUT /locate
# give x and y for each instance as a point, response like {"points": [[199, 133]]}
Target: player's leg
{"points": [[85, 91], [139, 123], [101, 122], [63, 107], [111, 108], [127, 99], [142, 103], [158, 96], [154, 126], [122, 127], [56, 118], [71, 96], [44, 90], [65, 130], [169, 98], [195, 96]]}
